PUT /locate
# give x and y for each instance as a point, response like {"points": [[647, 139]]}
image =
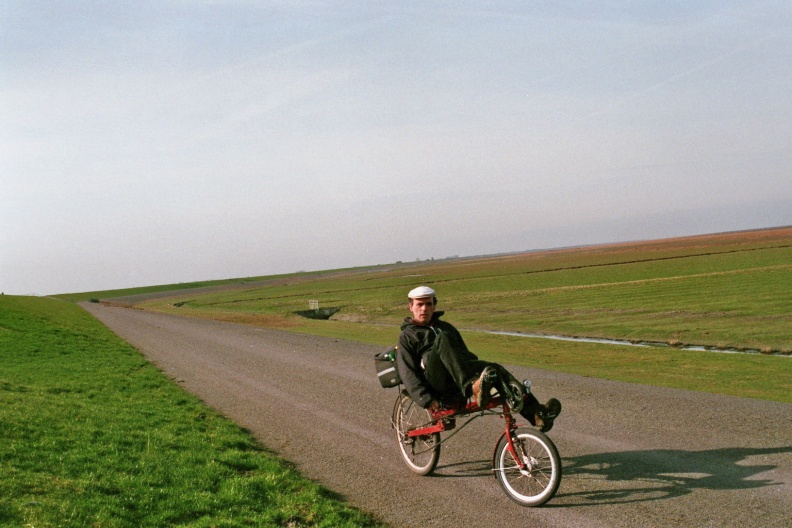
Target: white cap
{"points": [[420, 292]]}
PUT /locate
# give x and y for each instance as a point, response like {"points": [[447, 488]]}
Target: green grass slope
{"points": [[92, 435]]}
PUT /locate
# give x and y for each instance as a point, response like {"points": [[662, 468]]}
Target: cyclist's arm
{"points": [[408, 361]]}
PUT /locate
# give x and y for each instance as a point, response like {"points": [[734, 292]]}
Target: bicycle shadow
{"points": [[639, 476], [467, 469]]}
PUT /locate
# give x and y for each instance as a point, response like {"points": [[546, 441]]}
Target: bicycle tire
{"points": [[539, 482], [420, 453]]}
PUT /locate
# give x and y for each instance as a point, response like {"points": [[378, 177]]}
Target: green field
{"points": [[93, 435], [730, 291]]}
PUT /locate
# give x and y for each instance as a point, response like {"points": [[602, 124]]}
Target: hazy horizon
{"points": [[443, 258]]}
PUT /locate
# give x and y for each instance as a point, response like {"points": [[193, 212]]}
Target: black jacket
{"points": [[415, 341]]}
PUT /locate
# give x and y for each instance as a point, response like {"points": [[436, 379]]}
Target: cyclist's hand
{"points": [[435, 406]]}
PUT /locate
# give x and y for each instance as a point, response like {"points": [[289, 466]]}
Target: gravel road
{"points": [[633, 455]]}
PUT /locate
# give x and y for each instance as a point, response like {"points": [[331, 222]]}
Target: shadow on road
{"points": [[473, 468], [637, 476]]}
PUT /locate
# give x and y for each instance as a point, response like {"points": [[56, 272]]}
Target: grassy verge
{"points": [[92, 435]]}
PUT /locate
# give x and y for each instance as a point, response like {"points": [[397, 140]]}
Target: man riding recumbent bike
{"points": [[444, 381]]}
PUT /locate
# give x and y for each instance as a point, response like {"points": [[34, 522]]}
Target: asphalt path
{"points": [[633, 455]]}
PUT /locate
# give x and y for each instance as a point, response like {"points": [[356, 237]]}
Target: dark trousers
{"points": [[451, 372]]}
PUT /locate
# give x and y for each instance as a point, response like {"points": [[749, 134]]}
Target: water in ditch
{"points": [[624, 342]]}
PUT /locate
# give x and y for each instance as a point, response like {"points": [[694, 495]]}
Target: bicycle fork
{"points": [[511, 427]]}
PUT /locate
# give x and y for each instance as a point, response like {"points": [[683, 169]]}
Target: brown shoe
{"points": [[483, 385]]}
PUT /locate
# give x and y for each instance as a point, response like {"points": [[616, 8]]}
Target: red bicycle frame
{"points": [[441, 422]]}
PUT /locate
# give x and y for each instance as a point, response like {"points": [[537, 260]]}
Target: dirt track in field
{"points": [[633, 455]]}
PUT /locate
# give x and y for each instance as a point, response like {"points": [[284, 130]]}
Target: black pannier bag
{"points": [[385, 363]]}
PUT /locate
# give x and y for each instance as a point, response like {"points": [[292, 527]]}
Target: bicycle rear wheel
{"points": [[420, 453], [539, 481]]}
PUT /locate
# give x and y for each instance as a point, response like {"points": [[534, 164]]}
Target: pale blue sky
{"points": [[170, 141]]}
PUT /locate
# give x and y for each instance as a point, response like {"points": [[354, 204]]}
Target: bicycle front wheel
{"points": [[538, 481], [420, 453]]}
